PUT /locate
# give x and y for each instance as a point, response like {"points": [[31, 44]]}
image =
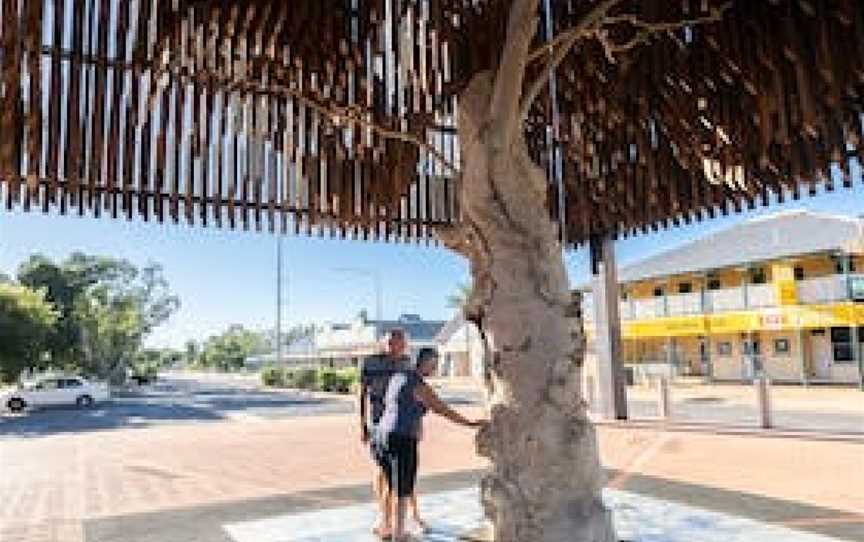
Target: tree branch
{"points": [[558, 49], [596, 25], [646, 30], [507, 87]]}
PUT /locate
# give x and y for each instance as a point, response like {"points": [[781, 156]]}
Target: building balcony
{"points": [[829, 289], [761, 296]]}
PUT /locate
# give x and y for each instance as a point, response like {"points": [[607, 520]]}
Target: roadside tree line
{"points": [[86, 314]]}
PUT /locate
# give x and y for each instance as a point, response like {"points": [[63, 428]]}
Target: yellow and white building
{"points": [[781, 294]]}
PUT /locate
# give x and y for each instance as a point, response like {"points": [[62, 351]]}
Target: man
{"points": [[374, 378], [406, 401]]}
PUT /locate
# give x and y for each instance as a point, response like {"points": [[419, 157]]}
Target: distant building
{"points": [[345, 344], [781, 295], [302, 352], [460, 348]]}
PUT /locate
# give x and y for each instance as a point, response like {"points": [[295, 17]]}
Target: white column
{"points": [[609, 378], [802, 355]]}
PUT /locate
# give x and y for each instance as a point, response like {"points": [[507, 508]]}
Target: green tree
{"points": [[228, 351], [192, 352], [26, 320], [61, 289], [107, 307]]}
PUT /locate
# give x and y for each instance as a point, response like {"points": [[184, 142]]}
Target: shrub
{"points": [[348, 380], [320, 379], [329, 380], [305, 379], [273, 376]]}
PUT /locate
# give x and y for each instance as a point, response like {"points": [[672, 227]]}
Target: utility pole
{"points": [[279, 299]]}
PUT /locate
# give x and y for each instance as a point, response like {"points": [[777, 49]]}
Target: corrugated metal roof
{"points": [[780, 235]]}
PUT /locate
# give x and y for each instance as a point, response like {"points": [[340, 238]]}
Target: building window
{"points": [[658, 291], [799, 273], [843, 353], [840, 261], [841, 342], [724, 349], [757, 276], [685, 288], [841, 335], [781, 347], [713, 284]]}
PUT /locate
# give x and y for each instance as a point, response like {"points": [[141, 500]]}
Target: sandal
{"points": [[382, 533]]}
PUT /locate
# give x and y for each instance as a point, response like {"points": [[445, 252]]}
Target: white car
{"points": [[55, 390]]}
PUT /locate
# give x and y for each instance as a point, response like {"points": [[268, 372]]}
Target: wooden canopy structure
{"points": [[338, 116]]}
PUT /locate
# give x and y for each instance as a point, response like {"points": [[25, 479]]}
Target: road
{"points": [[176, 399], [187, 398]]}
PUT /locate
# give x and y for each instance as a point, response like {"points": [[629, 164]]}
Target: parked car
{"points": [[144, 374], [55, 390]]}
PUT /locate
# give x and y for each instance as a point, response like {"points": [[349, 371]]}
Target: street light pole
{"points": [[279, 308], [279, 299]]}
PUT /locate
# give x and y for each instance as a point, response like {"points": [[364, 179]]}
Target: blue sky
{"points": [[225, 277]]}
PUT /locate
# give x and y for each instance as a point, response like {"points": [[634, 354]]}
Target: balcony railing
{"points": [[683, 304], [823, 289], [828, 289], [726, 299], [760, 296]]}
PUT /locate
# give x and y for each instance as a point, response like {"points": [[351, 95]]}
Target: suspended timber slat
{"points": [[206, 110]]}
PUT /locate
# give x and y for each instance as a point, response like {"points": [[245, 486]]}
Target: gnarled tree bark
{"points": [[546, 480]]}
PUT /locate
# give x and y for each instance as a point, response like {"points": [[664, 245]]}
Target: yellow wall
{"points": [[814, 266], [688, 353], [729, 366], [845, 372], [647, 350], [781, 366]]}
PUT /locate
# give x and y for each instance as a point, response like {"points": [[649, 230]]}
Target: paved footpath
{"points": [[184, 483]]}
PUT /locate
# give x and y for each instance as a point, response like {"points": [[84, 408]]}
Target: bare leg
{"points": [[415, 512], [400, 505], [382, 495]]}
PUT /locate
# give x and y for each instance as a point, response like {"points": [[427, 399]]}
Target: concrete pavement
{"points": [[174, 478], [168, 480]]}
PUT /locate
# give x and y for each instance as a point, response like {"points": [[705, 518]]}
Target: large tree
{"points": [[229, 350], [26, 319], [507, 136], [61, 288], [107, 307]]}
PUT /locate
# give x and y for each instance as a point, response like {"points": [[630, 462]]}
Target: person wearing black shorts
{"points": [[406, 401], [375, 374]]}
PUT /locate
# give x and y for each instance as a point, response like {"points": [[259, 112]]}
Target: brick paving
{"points": [[51, 485]]}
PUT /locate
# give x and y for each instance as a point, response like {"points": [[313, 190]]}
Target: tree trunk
{"points": [[546, 479]]}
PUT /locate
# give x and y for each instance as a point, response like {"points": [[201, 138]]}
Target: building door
{"points": [[752, 366], [704, 356], [821, 354]]}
